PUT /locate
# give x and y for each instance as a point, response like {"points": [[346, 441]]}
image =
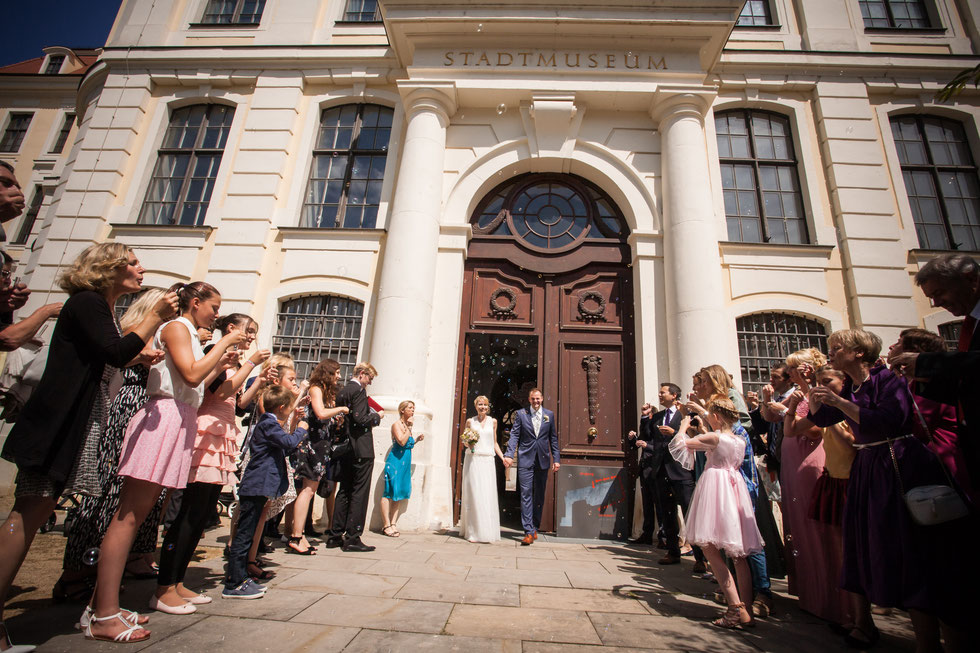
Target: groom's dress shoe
{"points": [[527, 539], [355, 545]]}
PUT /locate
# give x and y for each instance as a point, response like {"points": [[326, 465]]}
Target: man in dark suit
{"points": [[350, 507], [535, 438], [952, 281], [662, 478]]}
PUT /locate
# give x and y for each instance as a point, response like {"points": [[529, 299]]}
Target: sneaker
{"points": [[249, 589]]}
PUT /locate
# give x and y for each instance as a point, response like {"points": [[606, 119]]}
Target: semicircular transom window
{"points": [[549, 212]]}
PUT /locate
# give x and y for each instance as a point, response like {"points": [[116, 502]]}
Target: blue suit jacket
{"points": [[540, 450], [265, 475]]}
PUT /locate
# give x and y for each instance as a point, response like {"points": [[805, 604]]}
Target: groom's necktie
{"points": [[536, 422]]}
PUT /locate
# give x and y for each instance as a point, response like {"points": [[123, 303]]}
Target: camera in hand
{"points": [[695, 421]]}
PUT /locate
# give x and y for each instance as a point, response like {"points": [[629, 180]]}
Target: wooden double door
{"points": [[563, 324]]}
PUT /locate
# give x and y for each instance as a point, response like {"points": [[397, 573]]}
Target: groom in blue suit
{"points": [[535, 436]]}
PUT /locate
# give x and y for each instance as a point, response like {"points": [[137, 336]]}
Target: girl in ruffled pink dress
{"points": [[212, 467], [721, 517]]}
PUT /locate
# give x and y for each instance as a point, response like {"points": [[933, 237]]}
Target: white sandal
{"points": [[14, 648], [132, 616], [124, 636]]}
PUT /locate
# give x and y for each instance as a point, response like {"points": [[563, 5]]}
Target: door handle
{"points": [[593, 432]]}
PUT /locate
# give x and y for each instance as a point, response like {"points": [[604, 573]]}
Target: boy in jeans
{"points": [[264, 478]]}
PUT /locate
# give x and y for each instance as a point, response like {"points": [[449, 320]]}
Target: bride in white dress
{"points": [[479, 519]]}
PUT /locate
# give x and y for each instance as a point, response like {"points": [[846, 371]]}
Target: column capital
{"points": [[669, 101], [435, 96]]}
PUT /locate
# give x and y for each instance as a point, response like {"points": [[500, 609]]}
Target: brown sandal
{"points": [[733, 618], [390, 531]]}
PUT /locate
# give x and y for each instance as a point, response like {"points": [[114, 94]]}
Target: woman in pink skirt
{"points": [[721, 517], [212, 467], [159, 440]]}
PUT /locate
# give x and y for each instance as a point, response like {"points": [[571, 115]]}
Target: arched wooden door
{"points": [[548, 303]]}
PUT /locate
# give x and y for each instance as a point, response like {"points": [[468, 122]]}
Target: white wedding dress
{"points": [[479, 519]]}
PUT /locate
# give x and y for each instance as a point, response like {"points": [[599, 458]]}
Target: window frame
{"points": [[235, 16], [351, 153], [352, 21], [950, 333], [194, 152], [348, 343], [31, 214], [755, 161], [934, 169], [783, 341], [68, 122], [934, 26], [11, 117], [52, 58], [770, 17]]}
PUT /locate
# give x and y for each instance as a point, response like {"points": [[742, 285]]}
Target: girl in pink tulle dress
{"points": [[721, 517]]}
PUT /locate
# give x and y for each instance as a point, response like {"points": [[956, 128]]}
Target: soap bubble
{"points": [[479, 28], [91, 557], [501, 109]]}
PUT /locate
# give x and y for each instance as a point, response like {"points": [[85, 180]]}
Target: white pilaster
{"points": [[698, 333]]}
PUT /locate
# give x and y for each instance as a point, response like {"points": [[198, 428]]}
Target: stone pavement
{"points": [[437, 592]]}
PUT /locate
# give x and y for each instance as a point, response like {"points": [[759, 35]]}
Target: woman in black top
{"points": [[48, 436]]}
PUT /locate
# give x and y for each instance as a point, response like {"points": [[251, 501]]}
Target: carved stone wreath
{"points": [[591, 313], [491, 227], [503, 311]]}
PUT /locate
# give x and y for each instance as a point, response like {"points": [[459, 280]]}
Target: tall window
{"points": [[348, 167], [766, 339], [759, 178], [233, 12], [13, 136], [362, 11], [54, 64], [941, 181], [59, 144], [187, 165], [30, 217], [950, 332], [904, 14], [754, 13], [315, 327]]}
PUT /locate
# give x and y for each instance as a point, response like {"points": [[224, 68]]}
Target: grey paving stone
{"points": [[544, 578], [436, 569], [255, 635], [665, 632], [537, 624], [579, 599], [343, 582], [278, 604], [378, 613], [578, 566], [455, 591], [376, 641]]}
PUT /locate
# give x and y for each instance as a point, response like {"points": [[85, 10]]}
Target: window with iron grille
{"points": [[362, 11], [30, 217], [59, 144], [759, 178], [54, 64], [348, 168], [950, 333], [766, 339], [13, 136], [755, 13], [187, 165], [940, 180], [124, 302], [315, 327], [233, 12], [902, 14]]}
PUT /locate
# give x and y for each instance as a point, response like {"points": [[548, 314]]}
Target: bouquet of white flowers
{"points": [[469, 438]]}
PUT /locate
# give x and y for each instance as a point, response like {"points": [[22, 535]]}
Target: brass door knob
{"points": [[592, 432]]}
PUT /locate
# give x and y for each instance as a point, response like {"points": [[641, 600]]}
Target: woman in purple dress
{"points": [[888, 559]]}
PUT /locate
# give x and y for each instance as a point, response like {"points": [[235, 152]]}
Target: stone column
{"points": [[403, 311], [697, 326]]}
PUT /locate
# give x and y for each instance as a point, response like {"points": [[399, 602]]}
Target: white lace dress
{"points": [[479, 519]]}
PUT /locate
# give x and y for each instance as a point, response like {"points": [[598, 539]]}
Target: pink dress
{"points": [[216, 443], [813, 549], [721, 511]]}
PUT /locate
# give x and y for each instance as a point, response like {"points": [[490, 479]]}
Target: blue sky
{"points": [[37, 24]]}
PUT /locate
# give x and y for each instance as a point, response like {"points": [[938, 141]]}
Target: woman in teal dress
{"points": [[398, 468]]}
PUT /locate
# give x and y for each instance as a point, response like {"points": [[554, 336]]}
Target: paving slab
{"points": [[547, 647], [344, 582], [600, 580], [455, 591], [378, 613], [376, 641], [254, 635], [634, 630], [279, 604], [65, 639], [537, 624], [520, 577], [435, 569], [578, 566], [580, 599]]}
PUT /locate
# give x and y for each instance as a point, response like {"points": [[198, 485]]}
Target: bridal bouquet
{"points": [[469, 438]]}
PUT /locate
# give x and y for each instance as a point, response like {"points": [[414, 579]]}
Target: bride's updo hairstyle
{"points": [[724, 408]]}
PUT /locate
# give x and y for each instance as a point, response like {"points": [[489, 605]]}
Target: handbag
{"points": [[930, 505]]}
